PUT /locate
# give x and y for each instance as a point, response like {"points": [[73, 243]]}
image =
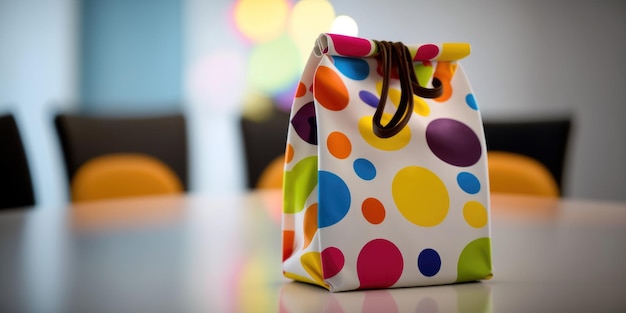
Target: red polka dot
{"points": [[426, 53], [332, 261], [379, 264], [351, 46]]}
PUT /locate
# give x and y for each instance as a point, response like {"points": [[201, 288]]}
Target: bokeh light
{"points": [[308, 19], [261, 20], [344, 25], [215, 80], [274, 65]]}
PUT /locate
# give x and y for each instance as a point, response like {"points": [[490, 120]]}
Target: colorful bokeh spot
{"points": [[334, 199], [379, 264], [429, 262], [304, 123], [261, 21], [373, 210], [468, 182], [475, 261], [364, 169], [471, 101], [332, 261], [420, 196], [396, 142], [346, 25], [329, 89], [299, 183], [308, 19], [475, 214], [353, 68], [266, 65], [310, 224], [339, 145], [453, 142]]}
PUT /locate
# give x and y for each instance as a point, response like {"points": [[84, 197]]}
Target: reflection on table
{"points": [[221, 253]]}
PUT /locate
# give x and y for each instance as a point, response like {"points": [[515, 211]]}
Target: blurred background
{"points": [[216, 60]]}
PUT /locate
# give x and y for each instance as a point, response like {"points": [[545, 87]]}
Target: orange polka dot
{"points": [[289, 153], [301, 91], [330, 91], [373, 210], [339, 145], [444, 72], [288, 236], [310, 224]]}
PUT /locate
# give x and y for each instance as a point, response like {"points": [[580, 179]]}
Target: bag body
{"points": [[408, 208]]}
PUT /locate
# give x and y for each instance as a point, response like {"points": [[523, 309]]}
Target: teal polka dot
{"points": [[364, 169], [468, 182], [471, 101], [334, 199], [353, 68]]}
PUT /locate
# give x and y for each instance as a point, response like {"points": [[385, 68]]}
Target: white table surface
{"points": [[222, 253]]}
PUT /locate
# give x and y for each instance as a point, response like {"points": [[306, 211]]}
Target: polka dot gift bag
{"points": [[385, 172]]}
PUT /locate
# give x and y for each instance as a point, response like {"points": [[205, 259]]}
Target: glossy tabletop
{"points": [[222, 254]]}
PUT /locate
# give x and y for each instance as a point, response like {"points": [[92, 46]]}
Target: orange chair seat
{"points": [[123, 175], [518, 174]]}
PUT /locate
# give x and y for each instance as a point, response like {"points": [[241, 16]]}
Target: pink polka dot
{"points": [[351, 46], [332, 261], [426, 52], [379, 264]]}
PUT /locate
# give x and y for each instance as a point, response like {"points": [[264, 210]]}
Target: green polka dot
{"points": [[299, 183], [475, 261]]}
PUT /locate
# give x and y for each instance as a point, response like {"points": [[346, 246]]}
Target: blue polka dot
{"points": [[471, 101], [468, 182], [334, 199], [369, 98], [364, 169], [429, 262], [354, 68]]}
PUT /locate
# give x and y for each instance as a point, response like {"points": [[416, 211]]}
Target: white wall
{"points": [[37, 76]]}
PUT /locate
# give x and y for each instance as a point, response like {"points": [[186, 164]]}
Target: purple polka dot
{"points": [[305, 123], [453, 142], [379, 264], [369, 98]]}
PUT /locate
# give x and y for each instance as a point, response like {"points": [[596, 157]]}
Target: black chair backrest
{"points": [[263, 140], [16, 188], [85, 137], [544, 140]]}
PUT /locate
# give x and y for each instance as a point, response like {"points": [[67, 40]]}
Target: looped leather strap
{"points": [[396, 53]]}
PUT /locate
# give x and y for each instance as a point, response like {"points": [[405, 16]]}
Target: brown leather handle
{"points": [[391, 53]]}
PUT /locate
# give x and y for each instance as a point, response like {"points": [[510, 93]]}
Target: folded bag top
{"points": [[386, 180]]}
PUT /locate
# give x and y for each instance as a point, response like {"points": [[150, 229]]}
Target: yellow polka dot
{"points": [[419, 105], [396, 142], [420, 196], [475, 214], [312, 263]]}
